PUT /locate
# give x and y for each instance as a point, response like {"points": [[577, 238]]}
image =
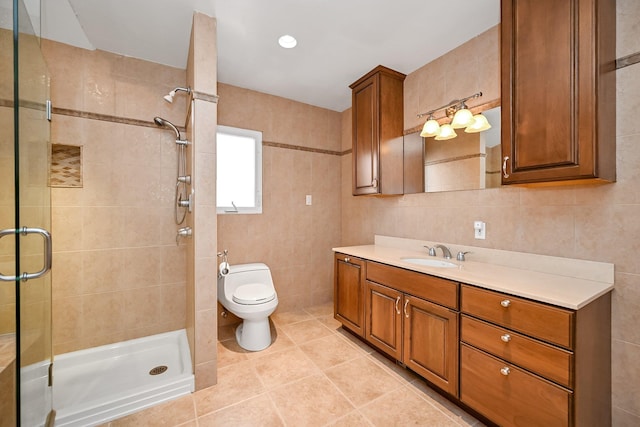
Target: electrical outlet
{"points": [[480, 230], [308, 200]]}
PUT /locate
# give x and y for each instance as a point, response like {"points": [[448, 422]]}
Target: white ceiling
{"points": [[338, 40]]}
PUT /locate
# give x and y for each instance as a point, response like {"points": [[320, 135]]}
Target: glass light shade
{"points": [[462, 119], [446, 132], [431, 128], [479, 124]]}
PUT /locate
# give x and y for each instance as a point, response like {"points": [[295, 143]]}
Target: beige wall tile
{"points": [[205, 53], [114, 238], [206, 343], [206, 374], [288, 236], [628, 26], [625, 371]]}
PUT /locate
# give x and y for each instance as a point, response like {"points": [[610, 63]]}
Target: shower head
{"points": [[166, 123], [169, 98]]}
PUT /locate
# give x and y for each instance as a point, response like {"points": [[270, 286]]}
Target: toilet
{"points": [[247, 291]]}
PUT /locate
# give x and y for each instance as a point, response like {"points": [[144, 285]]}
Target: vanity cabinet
{"points": [[405, 319], [525, 363], [558, 91], [377, 122], [348, 301]]}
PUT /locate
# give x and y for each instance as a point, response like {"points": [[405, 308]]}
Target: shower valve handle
{"points": [[183, 232], [185, 203]]}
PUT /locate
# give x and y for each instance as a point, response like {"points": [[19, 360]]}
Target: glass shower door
{"points": [[25, 229]]}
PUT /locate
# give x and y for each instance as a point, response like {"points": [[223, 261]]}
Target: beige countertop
{"points": [[560, 290]]}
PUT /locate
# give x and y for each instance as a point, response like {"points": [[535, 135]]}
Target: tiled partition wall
{"points": [[600, 223], [118, 273], [301, 147], [201, 253]]}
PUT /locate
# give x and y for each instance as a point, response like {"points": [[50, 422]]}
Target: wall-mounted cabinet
{"points": [[377, 110], [558, 90]]}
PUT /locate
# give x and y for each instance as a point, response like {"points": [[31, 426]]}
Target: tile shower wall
{"points": [[295, 240], [600, 223], [118, 273]]}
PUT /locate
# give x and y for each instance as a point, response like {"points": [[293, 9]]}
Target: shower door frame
{"points": [[32, 215]]}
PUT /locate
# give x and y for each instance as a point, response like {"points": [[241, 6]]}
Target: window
{"points": [[239, 170]]}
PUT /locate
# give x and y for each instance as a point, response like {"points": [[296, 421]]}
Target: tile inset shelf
{"points": [[66, 166]]}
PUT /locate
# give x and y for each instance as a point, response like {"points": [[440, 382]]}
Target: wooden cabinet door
{"points": [[377, 121], [348, 288], [383, 318], [431, 342], [558, 90], [365, 137]]}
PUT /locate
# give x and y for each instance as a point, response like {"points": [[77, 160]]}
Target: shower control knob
{"points": [[183, 232], [185, 203]]}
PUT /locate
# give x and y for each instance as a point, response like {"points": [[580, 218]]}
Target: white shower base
{"points": [[100, 384]]}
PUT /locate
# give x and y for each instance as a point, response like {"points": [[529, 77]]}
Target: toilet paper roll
{"points": [[223, 268]]}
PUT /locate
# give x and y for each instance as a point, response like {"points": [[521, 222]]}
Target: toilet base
{"points": [[254, 335]]}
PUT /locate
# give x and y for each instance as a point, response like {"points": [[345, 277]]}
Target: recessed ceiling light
{"points": [[287, 41]]}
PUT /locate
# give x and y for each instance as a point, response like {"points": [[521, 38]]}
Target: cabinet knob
{"points": [[504, 167], [374, 183], [347, 259], [506, 338], [505, 371], [397, 302], [505, 303]]}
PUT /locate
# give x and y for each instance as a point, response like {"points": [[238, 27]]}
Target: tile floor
{"points": [[314, 374]]}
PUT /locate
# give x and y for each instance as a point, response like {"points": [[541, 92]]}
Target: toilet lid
{"points": [[254, 293]]}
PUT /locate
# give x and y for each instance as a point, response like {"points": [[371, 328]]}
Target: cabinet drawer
{"points": [[545, 360], [538, 320], [434, 289], [510, 396]]}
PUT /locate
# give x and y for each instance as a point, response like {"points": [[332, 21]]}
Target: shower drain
{"points": [[158, 370]]}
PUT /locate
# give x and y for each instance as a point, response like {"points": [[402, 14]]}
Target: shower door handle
{"points": [[47, 252]]}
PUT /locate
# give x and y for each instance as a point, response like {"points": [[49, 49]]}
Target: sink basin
{"points": [[430, 262]]}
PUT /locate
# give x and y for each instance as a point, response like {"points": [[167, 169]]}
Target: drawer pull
{"points": [[505, 371], [347, 259], [505, 303], [397, 302], [405, 308], [506, 338]]}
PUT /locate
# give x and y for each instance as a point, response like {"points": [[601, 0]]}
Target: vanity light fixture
{"points": [[460, 116], [287, 41]]}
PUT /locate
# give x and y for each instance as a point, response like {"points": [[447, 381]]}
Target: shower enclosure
{"points": [[25, 215]]}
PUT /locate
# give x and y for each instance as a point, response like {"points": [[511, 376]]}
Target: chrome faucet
{"points": [[446, 253]]}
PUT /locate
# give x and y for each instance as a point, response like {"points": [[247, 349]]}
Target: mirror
{"points": [[471, 161]]}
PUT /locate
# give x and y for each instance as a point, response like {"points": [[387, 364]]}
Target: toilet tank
{"points": [[242, 274]]}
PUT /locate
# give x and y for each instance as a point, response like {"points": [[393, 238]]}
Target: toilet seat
{"points": [[253, 293]]}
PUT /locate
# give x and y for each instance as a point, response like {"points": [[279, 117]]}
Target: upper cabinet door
{"points": [[365, 137], [558, 90], [377, 111]]}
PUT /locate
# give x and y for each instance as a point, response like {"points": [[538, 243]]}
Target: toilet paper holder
{"points": [[223, 268]]}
